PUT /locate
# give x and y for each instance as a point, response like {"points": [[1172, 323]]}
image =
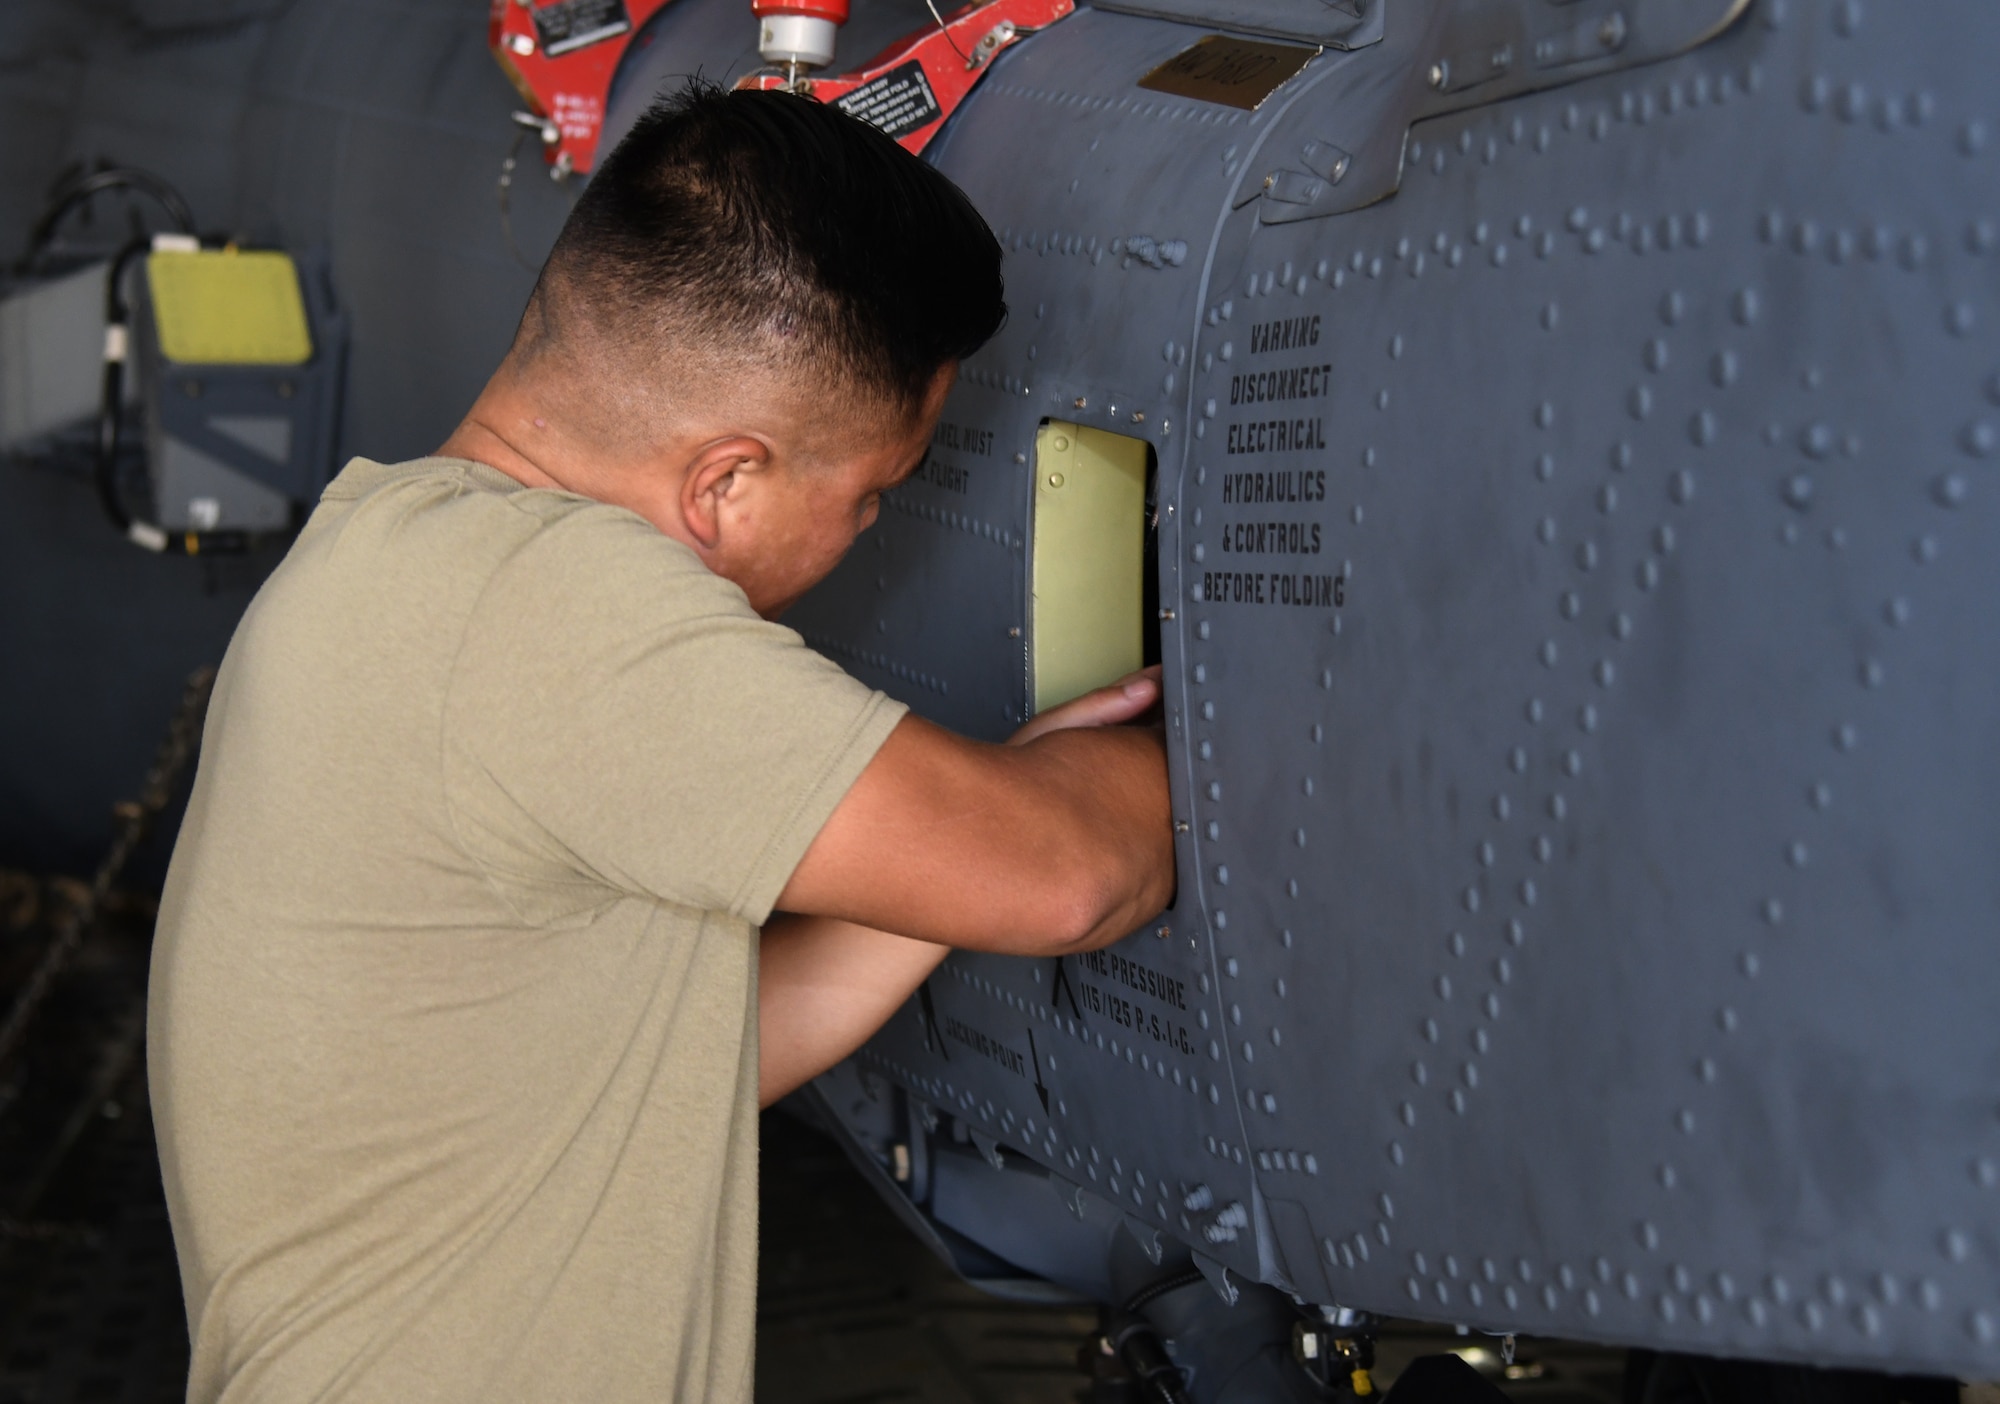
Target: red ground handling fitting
{"points": [[561, 56]]}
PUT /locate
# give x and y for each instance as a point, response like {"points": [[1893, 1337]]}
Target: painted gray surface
{"points": [[51, 357], [1587, 929]]}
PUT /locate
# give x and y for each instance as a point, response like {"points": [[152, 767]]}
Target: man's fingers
{"points": [[1123, 700]]}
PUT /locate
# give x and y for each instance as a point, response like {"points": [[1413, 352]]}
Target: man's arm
{"points": [[825, 984], [823, 987], [1059, 841]]}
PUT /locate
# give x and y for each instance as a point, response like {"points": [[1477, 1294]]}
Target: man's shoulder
{"points": [[457, 514], [439, 482]]}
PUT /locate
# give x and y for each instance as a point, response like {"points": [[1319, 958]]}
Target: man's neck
{"points": [[503, 431], [480, 439]]}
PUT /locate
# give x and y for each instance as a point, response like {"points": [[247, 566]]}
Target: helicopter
{"points": [[1544, 443]]}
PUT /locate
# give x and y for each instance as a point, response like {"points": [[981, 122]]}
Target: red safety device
{"points": [[913, 85], [561, 56]]}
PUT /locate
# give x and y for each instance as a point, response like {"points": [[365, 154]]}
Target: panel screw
{"points": [[522, 45], [1164, 932], [1081, 402], [1439, 72]]}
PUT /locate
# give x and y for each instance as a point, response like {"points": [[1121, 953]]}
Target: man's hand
{"points": [[1128, 699], [826, 984]]}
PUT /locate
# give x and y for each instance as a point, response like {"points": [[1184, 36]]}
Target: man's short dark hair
{"points": [[764, 222]]}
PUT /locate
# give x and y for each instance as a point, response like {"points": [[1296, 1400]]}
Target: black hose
{"points": [[1138, 1345], [1152, 1292], [97, 183], [110, 416]]}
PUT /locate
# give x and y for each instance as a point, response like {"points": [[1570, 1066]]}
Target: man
{"points": [[460, 1014]]}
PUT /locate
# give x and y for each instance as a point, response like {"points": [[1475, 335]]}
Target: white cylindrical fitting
{"points": [[801, 39]]}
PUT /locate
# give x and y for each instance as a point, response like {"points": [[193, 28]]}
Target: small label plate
{"points": [[898, 102], [1233, 72], [568, 25]]}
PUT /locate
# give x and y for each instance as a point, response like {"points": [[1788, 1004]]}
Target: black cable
{"points": [[505, 190], [1174, 1282], [96, 183], [110, 418]]}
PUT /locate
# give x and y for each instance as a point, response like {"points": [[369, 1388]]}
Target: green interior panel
{"points": [[1089, 560]]}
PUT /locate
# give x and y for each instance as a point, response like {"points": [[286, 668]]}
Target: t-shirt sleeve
{"points": [[621, 722]]}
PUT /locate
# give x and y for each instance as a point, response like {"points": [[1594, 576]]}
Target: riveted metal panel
{"points": [[1111, 1069], [1581, 701], [1626, 819]]}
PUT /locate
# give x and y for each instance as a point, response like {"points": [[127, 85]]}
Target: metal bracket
{"points": [[1458, 54], [1219, 1277], [1334, 24], [1069, 1193], [1148, 1238], [989, 1150]]}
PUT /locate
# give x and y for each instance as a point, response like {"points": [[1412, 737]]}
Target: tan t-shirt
{"points": [[453, 1008]]}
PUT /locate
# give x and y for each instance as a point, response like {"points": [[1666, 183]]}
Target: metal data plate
{"points": [[1234, 72]]}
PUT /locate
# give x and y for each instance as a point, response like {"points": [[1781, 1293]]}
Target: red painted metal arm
{"points": [[562, 55], [911, 87]]}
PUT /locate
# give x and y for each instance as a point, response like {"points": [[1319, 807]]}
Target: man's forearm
{"points": [[823, 986]]}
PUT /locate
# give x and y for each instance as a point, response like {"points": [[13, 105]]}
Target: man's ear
{"points": [[717, 476]]}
